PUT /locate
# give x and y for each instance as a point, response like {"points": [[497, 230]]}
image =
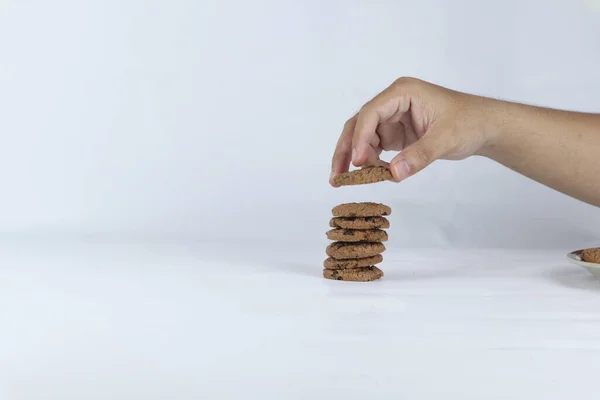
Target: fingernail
{"points": [[401, 169], [353, 155], [331, 175]]}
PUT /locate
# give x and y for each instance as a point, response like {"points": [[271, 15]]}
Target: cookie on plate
{"points": [[357, 235], [591, 255], [363, 176], [344, 251], [359, 223], [332, 263], [354, 274], [365, 209]]}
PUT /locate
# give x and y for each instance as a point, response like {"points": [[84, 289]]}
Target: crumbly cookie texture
{"points": [[591, 255], [365, 209], [359, 223], [354, 274], [332, 263], [363, 176], [344, 251], [356, 235]]}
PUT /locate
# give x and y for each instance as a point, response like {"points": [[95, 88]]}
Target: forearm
{"points": [[559, 149]]}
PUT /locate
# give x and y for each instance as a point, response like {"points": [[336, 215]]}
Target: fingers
{"points": [[359, 142], [417, 156], [364, 134], [389, 105], [373, 157], [343, 150]]}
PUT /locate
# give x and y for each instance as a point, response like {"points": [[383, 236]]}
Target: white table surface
{"points": [[93, 320]]}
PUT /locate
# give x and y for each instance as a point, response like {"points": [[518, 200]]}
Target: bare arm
{"points": [[560, 149], [426, 122]]}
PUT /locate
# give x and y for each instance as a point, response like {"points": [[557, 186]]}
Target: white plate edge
{"points": [[576, 259]]}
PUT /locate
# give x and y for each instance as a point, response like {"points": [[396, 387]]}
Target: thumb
{"points": [[414, 158]]}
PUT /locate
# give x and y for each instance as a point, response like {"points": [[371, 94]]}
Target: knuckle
{"points": [[348, 124], [366, 108], [404, 82]]}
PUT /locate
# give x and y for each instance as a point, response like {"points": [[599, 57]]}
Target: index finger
{"points": [[342, 155], [387, 105]]}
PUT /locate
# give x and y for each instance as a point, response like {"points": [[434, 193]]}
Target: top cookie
{"points": [[366, 209], [363, 176]]}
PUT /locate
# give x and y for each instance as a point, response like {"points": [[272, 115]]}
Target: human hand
{"points": [[423, 121]]}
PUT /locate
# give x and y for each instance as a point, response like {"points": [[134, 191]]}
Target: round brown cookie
{"points": [[354, 274], [591, 255], [357, 235], [344, 251], [359, 223], [363, 176], [332, 263], [366, 209]]}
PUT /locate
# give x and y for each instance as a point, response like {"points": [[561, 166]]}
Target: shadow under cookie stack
{"points": [[358, 232]]}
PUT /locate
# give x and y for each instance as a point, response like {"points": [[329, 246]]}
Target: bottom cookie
{"points": [[354, 274]]}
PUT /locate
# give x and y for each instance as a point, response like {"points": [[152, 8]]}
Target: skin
{"points": [[426, 122]]}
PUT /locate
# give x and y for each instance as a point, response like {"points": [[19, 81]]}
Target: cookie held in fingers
{"points": [[591, 255], [359, 223], [344, 251], [354, 274], [365, 209], [363, 176], [332, 263], [356, 235]]}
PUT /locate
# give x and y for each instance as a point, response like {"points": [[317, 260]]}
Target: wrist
{"points": [[499, 122]]}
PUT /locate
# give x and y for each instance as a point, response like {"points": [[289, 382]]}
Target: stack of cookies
{"points": [[358, 231], [358, 235]]}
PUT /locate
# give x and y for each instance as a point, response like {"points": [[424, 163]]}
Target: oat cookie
{"points": [[365, 209], [332, 263], [591, 255], [344, 251], [355, 274], [356, 235], [359, 223], [363, 176]]}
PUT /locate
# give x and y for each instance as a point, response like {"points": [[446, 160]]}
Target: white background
{"points": [[164, 203], [218, 119]]}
